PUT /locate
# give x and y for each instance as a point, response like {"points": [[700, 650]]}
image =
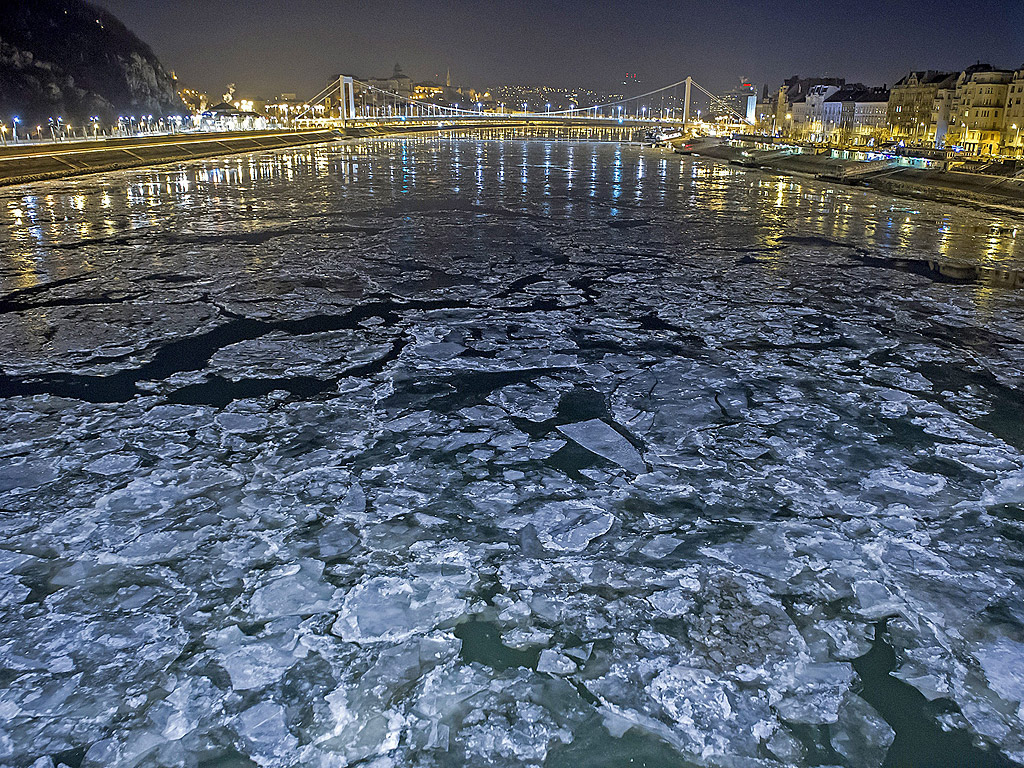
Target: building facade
{"points": [[856, 114], [1013, 120], [909, 113], [978, 111], [399, 83], [737, 102], [809, 121], [792, 112]]}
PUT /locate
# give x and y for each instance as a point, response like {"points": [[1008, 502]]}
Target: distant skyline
{"points": [[268, 47]]}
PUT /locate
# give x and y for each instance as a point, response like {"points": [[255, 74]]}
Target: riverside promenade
{"points": [[27, 162]]}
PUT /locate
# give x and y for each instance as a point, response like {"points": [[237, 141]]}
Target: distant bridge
{"points": [[337, 104]]}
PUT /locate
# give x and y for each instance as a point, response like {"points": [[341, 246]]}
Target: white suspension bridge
{"points": [[350, 103]]}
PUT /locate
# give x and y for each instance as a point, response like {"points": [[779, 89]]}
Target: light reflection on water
{"points": [[575, 174]]}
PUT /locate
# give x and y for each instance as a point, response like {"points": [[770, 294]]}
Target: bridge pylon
{"points": [[346, 99], [686, 102]]}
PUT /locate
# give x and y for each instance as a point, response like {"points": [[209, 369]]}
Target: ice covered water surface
{"points": [[481, 451]]}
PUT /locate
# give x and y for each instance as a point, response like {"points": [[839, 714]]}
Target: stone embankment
{"points": [[34, 162], [936, 184]]}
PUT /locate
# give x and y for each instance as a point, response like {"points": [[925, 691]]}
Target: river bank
{"points": [[25, 163], [943, 186]]}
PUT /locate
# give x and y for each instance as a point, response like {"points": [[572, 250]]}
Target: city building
{"points": [[809, 112], [792, 112], [398, 83], [978, 110], [740, 101], [1013, 121], [910, 113], [428, 91], [942, 109], [856, 115], [764, 112]]}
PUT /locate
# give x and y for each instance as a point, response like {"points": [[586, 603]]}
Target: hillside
{"points": [[71, 59]]}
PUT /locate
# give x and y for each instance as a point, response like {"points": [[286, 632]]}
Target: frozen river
{"points": [[437, 452]]}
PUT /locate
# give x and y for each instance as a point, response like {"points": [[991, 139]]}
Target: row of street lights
{"points": [[59, 130]]}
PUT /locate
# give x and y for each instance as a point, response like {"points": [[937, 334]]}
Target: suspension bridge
{"points": [[350, 103]]}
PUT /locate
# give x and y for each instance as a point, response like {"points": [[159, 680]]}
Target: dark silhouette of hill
{"points": [[70, 59]]}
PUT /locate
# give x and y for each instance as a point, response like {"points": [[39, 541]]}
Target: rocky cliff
{"points": [[70, 59]]}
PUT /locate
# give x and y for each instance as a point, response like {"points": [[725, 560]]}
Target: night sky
{"points": [[268, 47]]}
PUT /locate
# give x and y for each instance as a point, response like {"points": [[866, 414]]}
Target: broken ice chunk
{"points": [[241, 422], [1003, 663], [906, 480], [601, 439], [386, 608], [860, 735], [28, 474], [113, 464], [817, 695], [264, 732], [555, 663], [576, 532], [876, 601], [440, 350], [252, 663], [671, 602], [293, 589], [660, 546]]}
